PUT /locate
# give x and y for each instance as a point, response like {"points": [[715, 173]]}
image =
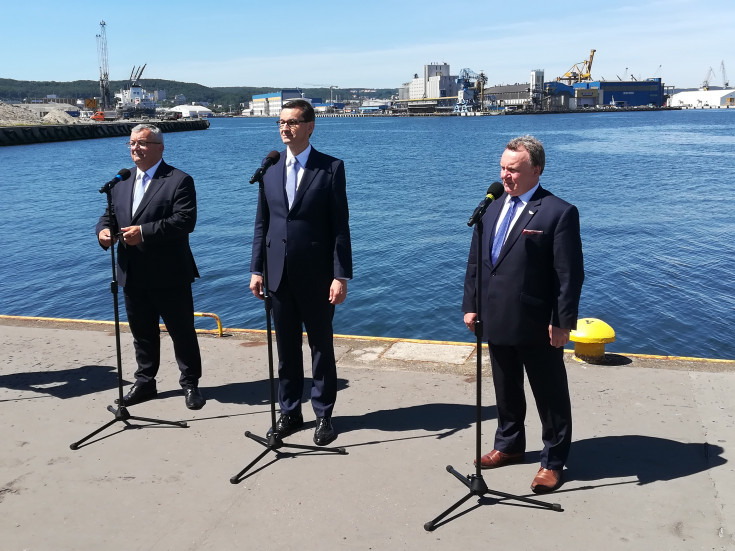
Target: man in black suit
{"points": [[530, 290], [155, 210], [305, 225]]}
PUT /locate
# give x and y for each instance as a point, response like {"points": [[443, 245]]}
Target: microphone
{"points": [[270, 160], [495, 190], [123, 174]]}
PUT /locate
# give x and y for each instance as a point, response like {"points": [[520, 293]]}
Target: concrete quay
{"points": [[42, 133], [651, 465]]}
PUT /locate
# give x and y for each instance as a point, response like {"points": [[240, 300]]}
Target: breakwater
{"points": [[23, 135]]}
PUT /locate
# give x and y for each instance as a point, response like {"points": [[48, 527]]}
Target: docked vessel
{"points": [[133, 101]]}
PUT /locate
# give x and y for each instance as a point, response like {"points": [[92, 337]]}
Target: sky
{"points": [[372, 44]]}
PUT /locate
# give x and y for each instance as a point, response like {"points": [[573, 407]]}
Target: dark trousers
{"points": [[547, 376], [292, 311], [176, 306]]}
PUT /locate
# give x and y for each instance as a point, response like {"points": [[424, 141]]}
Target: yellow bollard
{"points": [[589, 339]]}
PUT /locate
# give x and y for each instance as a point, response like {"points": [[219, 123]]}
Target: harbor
{"points": [[651, 463]]}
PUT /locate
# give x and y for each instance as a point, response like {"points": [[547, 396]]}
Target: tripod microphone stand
{"points": [[121, 413], [272, 442], [474, 482]]}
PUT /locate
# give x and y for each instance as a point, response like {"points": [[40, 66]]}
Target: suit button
{"points": [[283, 240]]}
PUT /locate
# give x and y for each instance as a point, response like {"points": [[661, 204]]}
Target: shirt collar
{"points": [[302, 157], [526, 197], [151, 171]]}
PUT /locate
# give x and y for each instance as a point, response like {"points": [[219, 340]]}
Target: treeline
{"points": [[228, 97]]}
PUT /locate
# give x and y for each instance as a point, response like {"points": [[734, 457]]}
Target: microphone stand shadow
{"points": [[272, 441], [474, 482], [121, 413]]}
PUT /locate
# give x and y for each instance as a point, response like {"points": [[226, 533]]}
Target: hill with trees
{"points": [[229, 98]]}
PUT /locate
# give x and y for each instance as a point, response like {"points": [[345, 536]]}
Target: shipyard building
{"points": [[555, 95], [437, 90], [270, 104]]}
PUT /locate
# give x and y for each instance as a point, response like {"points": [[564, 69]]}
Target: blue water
{"points": [[654, 190]]}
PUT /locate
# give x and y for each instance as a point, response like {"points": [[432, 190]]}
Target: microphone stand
{"points": [[474, 482], [121, 413], [273, 442]]}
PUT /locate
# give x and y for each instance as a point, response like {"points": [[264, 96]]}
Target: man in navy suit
{"points": [[530, 290], [155, 211], [305, 225]]}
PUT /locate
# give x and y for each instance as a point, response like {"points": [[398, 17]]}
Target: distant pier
{"points": [[23, 135]]}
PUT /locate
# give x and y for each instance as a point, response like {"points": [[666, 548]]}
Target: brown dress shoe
{"points": [[496, 459], [547, 480]]}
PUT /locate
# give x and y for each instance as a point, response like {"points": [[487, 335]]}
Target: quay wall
{"points": [[23, 135]]}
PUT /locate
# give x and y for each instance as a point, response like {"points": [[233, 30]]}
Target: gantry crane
{"points": [[105, 92], [579, 72]]}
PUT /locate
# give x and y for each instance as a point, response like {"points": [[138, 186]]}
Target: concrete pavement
{"points": [[651, 464]]}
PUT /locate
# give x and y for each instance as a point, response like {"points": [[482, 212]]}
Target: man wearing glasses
{"points": [[155, 210], [309, 262]]}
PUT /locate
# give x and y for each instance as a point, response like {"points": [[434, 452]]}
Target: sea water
{"points": [[654, 191]]}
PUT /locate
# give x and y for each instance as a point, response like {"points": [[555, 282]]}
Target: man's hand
{"points": [[105, 239], [132, 235], [558, 336], [469, 320], [338, 291], [256, 285]]}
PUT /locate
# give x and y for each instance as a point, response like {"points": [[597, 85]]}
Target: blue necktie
{"points": [[292, 179], [140, 191], [502, 232]]}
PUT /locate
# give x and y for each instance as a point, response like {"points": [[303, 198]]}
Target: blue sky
{"points": [[372, 44]]}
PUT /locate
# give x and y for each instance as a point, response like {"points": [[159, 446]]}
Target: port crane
{"points": [[136, 74], [105, 92], [725, 82], [579, 72], [330, 86], [710, 75], [471, 90]]}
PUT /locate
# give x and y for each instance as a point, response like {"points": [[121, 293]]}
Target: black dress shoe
{"points": [[194, 398], [324, 433], [287, 424], [139, 393]]}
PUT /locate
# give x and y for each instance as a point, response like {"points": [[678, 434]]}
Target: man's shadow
{"points": [[66, 383], [648, 458], [445, 419], [428, 417]]}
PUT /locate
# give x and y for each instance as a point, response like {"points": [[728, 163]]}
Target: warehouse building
{"points": [[703, 99], [270, 104]]}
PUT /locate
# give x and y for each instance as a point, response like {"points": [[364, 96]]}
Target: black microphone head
{"points": [[272, 157], [495, 190], [124, 173]]}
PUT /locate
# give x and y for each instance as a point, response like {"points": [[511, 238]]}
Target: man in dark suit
{"points": [[530, 290], [155, 211], [305, 225]]}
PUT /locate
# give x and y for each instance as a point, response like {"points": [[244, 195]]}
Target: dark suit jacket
{"points": [[310, 243], [167, 215], [538, 277]]}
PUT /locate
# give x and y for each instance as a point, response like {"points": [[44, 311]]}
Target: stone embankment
{"points": [[21, 126]]}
